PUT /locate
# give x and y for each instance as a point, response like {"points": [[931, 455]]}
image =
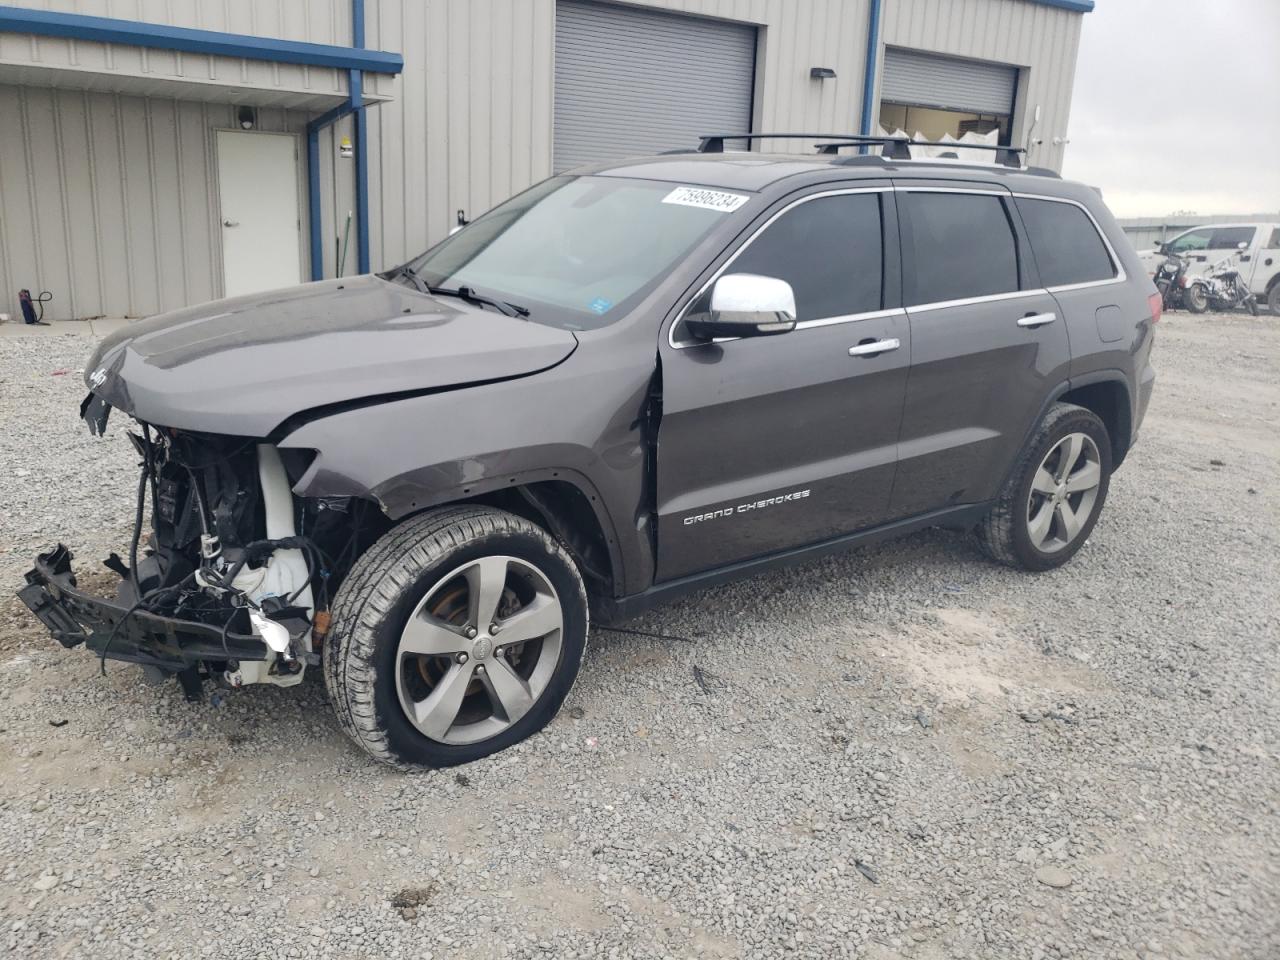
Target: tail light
{"points": [[1156, 303]]}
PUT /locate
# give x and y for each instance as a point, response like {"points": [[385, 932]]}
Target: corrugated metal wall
{"points": [[110, 202], [316, 21], [471, 121], [1043, 40]]}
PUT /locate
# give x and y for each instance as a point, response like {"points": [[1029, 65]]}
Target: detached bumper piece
{"points": [[124, 633]]}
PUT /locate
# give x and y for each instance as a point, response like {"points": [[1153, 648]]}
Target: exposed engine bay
{"points": [[232, 583]]}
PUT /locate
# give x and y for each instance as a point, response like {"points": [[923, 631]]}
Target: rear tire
{"points": [[1197, 298], [1273, 299], [1053, 497], [456, 635]]}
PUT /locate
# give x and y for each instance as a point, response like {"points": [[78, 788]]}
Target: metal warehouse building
{"points": [[156, 154]]}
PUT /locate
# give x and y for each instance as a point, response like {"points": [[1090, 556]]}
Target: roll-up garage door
{"points": [[947, 83], [634, 81]]}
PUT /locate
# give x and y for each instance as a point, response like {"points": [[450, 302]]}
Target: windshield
{"points": [[576, 251]]}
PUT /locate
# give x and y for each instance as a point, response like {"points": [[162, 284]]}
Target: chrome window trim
{"points": [[803, 324], [969, 301], [849, 318], [977, 191], [1121, 275]]}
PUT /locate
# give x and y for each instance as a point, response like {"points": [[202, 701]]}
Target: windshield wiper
{"points": [[469, 294], [462, 293]]}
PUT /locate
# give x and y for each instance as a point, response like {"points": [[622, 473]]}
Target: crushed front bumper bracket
{"points": [[124, 633]]}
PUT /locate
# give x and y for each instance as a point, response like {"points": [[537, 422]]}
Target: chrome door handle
{"points": [[1037, 319], [874, 347], [231, 223]]}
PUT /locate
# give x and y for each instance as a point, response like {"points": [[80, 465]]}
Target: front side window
{"points": [[962, 246], [1229, 238], [1195, 240], [829, 249], [1065, 243], [576, 250]]}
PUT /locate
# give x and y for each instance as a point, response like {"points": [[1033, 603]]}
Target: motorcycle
{"points": [[1171, 280], [1222, 288]]}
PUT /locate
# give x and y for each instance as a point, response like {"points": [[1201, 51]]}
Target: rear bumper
{"points": [[114, 629]]}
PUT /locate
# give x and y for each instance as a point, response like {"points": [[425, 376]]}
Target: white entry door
{"points": [[258, 191]]}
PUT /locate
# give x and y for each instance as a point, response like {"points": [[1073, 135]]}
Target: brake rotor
{"points": [[451, 607]]}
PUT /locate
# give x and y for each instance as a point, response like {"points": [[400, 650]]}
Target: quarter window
{"points": [[829, 250], [1065, 243], [962, 246]]}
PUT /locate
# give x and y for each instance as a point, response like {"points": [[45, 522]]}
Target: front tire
{"points": [[456, 635], [1273, 299], [1052, 500], [1197, 298]]}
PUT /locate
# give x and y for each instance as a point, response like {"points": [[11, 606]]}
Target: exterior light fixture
{"points": [[247, 118], [821, 73]]}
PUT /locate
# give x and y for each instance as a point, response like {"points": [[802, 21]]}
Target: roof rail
{"points": [[899, 148], [894, 148], [714, 142]]}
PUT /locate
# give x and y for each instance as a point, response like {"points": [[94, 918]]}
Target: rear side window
{"points": [[1274, 242], [1228, 238], [829, 250], [1065, 243], [962, 246]]}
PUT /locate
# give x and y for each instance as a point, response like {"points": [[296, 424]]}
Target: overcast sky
{"points": [[1177, 106]]}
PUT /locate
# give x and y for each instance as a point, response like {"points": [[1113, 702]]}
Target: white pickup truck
{"points": [[1205, 246]]}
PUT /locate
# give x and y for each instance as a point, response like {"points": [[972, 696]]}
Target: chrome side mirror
{"points": [[745, 305]]}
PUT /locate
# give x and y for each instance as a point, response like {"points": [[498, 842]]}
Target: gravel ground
{"points": [[903, 752]]}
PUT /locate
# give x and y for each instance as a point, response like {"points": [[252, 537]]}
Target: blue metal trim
{"points": [[354, 105], [356, 85], [76, 26], [869, 74], [361, 136], [1076, 6]]}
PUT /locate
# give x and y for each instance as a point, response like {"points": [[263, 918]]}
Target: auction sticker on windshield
{"points": [[706, 199]]}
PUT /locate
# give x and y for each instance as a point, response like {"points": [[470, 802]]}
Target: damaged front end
{"points": [[231, 584]]}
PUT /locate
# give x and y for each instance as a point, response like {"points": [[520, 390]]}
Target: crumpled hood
{"points": [[244, 365]]}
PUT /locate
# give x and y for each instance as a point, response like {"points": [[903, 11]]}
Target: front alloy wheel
{"points": [[456, 635], [479, 650]]}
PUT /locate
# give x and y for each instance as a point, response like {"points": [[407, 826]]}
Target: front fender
{"points": [[572, 424]]}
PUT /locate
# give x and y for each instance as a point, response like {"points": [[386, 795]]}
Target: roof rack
{"points": [[894, 148]]}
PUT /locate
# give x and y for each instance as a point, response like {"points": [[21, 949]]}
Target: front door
{"points": [[258, 196], [987, 345], [773, 442]]}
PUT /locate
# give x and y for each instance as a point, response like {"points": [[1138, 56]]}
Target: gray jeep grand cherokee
{"points": [[626, 383]]}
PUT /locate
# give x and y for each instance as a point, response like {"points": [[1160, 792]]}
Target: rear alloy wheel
{"points": [[1064, 490], [1053, 498], [456, 635]]}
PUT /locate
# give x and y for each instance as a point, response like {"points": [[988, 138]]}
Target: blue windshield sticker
{"points": [[600, 305]]}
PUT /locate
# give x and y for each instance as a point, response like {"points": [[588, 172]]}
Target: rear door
{"points": [[1079, 267], [987, 344], [774, 442]]}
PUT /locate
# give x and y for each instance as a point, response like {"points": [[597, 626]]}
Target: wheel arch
{"points": [[1106, 394]]}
